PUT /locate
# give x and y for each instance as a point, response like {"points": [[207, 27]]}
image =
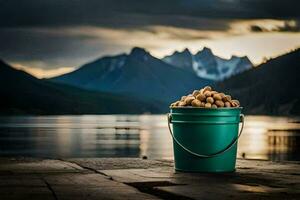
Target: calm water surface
{"points": [[273, 138]]}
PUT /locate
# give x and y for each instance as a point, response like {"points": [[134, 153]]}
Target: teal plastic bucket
{"points": [[205, 140]]}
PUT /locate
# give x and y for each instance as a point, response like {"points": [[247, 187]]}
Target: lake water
{"points": [[273, 138]]}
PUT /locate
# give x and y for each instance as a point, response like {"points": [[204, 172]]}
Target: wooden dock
{"points": [[134, 178]]}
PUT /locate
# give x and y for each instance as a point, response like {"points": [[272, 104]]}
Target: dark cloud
{"points": [[53, 49], [137, 13], [274, 9], [186, 37], [256, 28], [288, 26]]}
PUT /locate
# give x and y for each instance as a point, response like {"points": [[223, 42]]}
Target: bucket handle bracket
{"points": [[242, 120]]}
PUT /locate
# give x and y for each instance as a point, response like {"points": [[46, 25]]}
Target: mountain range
{"points": [[271, 88], [137, 74], [208, 66], [138, 82], [22, 93]]}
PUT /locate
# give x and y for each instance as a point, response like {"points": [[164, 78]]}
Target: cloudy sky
{"points": [[51, 37]]}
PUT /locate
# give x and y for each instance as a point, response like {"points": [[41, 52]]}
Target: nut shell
{"points": [[222, 94], [201, 97], [210, 100], [207, 98], [235, 103], [213, 92], [195, 93], [207, 93], [174, 104], [227, 104], [181, 104], [206, 88], [188, 100], [207, 105], [227, 98], [219, 103], [196, 103], [217, 97], [214, 106]]}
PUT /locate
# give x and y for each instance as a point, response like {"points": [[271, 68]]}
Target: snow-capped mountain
{"points": [[137, 74], [206, 65]]}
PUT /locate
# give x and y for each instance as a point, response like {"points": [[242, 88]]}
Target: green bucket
{"points": [[205, 140]]}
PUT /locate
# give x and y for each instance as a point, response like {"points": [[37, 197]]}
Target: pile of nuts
{"points": [[206, 98]]}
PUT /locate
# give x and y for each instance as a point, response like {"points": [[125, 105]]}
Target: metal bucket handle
{"points": [[242, 119]]}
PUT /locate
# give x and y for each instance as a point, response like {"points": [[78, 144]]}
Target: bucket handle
{"points": [[242, 120]]}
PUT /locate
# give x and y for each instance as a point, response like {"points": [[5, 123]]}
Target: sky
{"points": [[51, 37]]}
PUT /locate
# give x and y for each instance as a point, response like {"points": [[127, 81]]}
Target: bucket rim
{"points": [[196, 108]]}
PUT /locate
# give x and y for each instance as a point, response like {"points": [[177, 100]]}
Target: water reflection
{"points": [[274, 138]]}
